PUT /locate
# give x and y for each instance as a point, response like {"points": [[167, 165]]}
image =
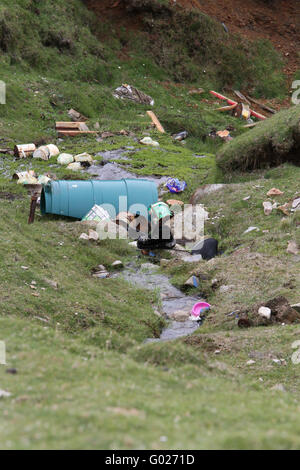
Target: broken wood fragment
{"points": [[227, 108], [24, 151], [156, 122], [229, 101], [263, 106]]}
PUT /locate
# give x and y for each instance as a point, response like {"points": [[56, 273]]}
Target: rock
{"points": [[180, 315], [274, 192], [250, 363], [282, 312], [268, 207], [207, 248], [193, 281], [292, 248], [203, 190], [265, 312]]}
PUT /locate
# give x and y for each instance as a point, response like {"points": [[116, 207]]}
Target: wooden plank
{"points": [[241, 96], [74, 132], [227, 108], [156, 122], [68, 125], [229, 101], [261, 105]]}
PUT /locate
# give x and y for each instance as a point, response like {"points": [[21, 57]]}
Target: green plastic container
{"points": [[76, 198]]}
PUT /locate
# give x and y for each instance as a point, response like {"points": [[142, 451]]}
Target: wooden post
{"points": [[156, 122], [33, 204]]}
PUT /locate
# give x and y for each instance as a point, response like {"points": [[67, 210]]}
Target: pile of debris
{"points": [[275, 311]]}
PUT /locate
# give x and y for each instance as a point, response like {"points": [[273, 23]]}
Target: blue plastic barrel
{"points": [[76, 198]]}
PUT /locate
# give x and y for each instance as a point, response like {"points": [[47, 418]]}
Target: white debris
{"points": [[265, 312]]}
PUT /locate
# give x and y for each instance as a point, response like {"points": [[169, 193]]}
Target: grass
{"points": [[270, 143], [85, 379]]}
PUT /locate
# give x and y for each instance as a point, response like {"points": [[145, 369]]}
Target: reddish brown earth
{"points": [[276, 20]]}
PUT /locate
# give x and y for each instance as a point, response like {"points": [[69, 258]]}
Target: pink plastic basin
{"points": [[197, 308]]}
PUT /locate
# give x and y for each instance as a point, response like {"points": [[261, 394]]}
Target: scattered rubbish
{"points": [[11, 371], [207, 248], [265, 312], [174, 202], [156, 122], [76, 166], [231, 102], [76, 198], [246, 198], [84, 158], [241, 96], [242, 110], [227, 108], [84, 236], [285, 208], [76, 116], [65, 159], [24, 151], [268, 207], [149, 141], [72, 129], [159, 211], [97, 214], [250, 229], [263, 106], [281, 313], [145, 242], [274, 192], [293, 248], [296, 307], [131, 93], [175, 186], [25, 177], [224, 135], [42, 153], [296, 204], [100, 272], [193, 281], [250, 362], [93, 235], [4, 394], [225, 27], [181, 136], [200, 309], [196, 91], [51, 283], [8, 151], [117, 264]]}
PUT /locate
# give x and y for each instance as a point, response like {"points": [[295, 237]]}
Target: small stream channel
{"points": [[172, 299]]}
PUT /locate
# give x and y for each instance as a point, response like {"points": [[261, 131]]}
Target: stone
{"points": [[250, 363], [76, 166], [149, 141], [65, 159], [180, 315], [265, 312], [192, 258], [292, 248]]}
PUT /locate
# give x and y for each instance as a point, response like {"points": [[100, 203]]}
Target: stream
{"points": [[172, 299]]}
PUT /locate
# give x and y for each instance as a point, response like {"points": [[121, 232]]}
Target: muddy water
{"points": [[172, 299]]}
